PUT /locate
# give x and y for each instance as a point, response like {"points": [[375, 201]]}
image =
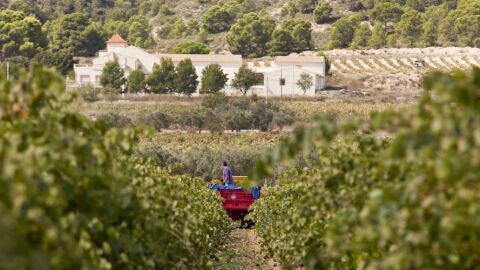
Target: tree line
{"points": [[166, 78], [53, 32]]}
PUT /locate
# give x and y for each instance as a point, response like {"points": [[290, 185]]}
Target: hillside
{"points": [[54, 32]]}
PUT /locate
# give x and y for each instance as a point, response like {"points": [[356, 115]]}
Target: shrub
{"points": [[114, 119], [237, 119], [283, 117], [193, 118], [191, 48], [158, 120], [88, 93], [215, 101]]}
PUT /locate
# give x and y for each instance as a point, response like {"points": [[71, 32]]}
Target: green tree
{"points": [[217, 19], [61, 60], [136, 81], [410, 27], [66, 172], [139, 31], [237, 119], [305, 6], [322, 12], [305, 82], [379, 37], [76, 33], [301, 33], [162, 78], [429, 35], [281, 43], [20, 35], [194, 117], [467, 29], [112, 77], [361, 37], [387, 13], [213, 79], [186, 80], [250, 34], [191, 47], [341, 34], [244, 79]]}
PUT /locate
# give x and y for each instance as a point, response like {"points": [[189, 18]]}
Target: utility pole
{"points": [[281, 82]]}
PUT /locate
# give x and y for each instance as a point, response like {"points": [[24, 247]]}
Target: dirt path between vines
{"points": [[243, 253]]}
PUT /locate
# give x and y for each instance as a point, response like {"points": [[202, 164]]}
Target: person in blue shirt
{"points": [[227, 175]]}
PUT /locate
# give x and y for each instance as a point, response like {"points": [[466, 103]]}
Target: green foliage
{"points": [[213, 79], [88, 93], [237, 119], [410, 27], [186, 79], [301, 33], [367, 202], [342, 33], [244, 79], [113, 77], [250, 34], [158, 120], [61, 60], [139, 31], [194, 118], [305, 82], [322, 12], [73, 196], [217, 19], [306, 6], [387, 13], [191, 48], [114, 120], [162, 78], [136, 81], [281, 43], [20, 35], [361, 37], [379, 37], [215, 101], [76, 33]]}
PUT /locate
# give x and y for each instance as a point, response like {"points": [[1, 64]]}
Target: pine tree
{"points": [[112, 77], [162, 78], [186, 81], [379, 37], [244, 80], [361, 37], [213, 79]]}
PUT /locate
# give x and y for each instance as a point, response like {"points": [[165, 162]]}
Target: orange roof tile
{"points": [[116, 39]]}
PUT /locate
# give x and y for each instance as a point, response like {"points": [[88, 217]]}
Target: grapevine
{"points": [[398, 192]]}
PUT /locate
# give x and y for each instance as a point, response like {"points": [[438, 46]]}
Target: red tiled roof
{"points": [[116, 39]]}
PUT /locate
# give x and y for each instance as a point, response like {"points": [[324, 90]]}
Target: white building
{"points": [[276, 77]]}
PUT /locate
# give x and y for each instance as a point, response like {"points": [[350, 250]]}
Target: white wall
{"points": [[291, 75], [289, 71]]}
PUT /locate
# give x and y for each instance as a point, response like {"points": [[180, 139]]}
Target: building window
{"points": [[260, 78], [282, 81]]}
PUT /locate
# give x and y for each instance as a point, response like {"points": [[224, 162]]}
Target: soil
{"points": [[243, 252]]}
